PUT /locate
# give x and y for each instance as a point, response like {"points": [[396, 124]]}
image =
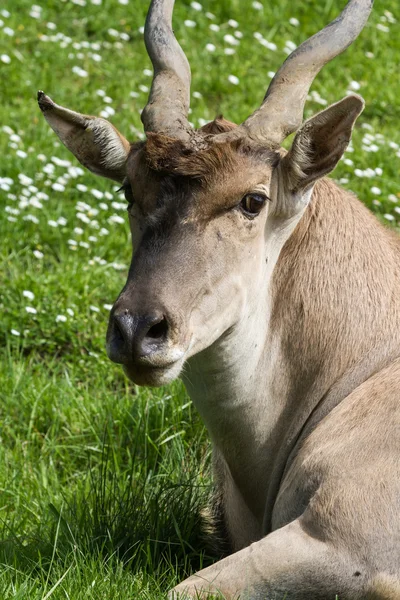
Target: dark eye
{"points": [[126, 188], [129, 196], [252, 204]]}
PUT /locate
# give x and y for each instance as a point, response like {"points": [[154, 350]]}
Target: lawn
{"points": [[102, 483]]}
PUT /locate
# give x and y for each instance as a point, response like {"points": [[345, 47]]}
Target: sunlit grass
{"points": [[102, 484]]}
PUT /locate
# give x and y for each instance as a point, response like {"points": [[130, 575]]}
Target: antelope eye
{"points": [[127, 190], [252, 204], [129, 196]]}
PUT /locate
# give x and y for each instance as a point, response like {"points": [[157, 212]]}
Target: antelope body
{"points": [[280, 295]]}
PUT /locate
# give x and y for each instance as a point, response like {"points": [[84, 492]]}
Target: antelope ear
{"points": [[320, 143], [93, 140]]}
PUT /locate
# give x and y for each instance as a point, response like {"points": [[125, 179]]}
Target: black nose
{"points": [[136, 336]]}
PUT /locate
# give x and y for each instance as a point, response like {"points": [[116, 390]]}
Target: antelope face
{"points": [[211, 209], [198, 224]]}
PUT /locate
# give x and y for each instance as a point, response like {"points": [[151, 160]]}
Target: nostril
{"points": [[158, 330], [124, 326], [118, 334], [119, 337]]}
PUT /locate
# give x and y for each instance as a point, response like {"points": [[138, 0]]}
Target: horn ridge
{"points": [[281, 112], [167, 108]]}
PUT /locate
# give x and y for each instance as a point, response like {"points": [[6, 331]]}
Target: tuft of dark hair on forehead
{"points": [[174, 157]]}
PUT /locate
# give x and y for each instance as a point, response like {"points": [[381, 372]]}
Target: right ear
{"points": [[93, 140], [320, 143]]}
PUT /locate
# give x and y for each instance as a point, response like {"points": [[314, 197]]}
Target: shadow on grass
{"points": [[148, 520]]}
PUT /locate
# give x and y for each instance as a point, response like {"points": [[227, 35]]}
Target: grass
{"points": [[102, 484]]}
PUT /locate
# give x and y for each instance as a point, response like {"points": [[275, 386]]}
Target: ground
{"points": [[102, 483]]}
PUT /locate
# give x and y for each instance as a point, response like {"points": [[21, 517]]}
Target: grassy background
{"points": [[101, 484]]}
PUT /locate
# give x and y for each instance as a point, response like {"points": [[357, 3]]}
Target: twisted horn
{"points": [[281, 112], [168, 104]]}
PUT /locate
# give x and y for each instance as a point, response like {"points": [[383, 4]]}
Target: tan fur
{"points": [[384, 587]]}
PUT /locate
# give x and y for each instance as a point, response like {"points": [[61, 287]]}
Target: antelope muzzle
{"points": [[145, 343]]}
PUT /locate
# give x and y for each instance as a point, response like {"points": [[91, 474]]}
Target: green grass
{"points": [[102, 484]]}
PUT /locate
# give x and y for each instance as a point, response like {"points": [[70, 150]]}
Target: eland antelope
{"points": [[279, 293]]}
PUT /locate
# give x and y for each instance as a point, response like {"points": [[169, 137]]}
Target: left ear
{"points": [[320, 143], [96, 143]]}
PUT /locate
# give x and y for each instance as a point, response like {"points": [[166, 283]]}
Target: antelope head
{"points": [[209, 210]]}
